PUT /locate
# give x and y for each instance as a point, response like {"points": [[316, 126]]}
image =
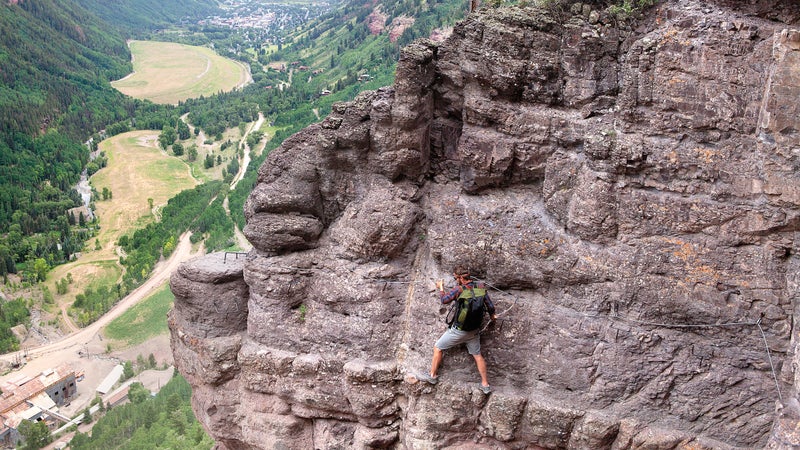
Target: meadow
{"points": [[137, 172], [167, 73], [145, 320]]}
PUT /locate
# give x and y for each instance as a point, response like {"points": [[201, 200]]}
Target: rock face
{"points": [[630, 194]]}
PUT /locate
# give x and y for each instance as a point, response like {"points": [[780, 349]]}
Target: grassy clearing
{"points": [[137, 171], [96, 273], [166, 72], [145, 320]]}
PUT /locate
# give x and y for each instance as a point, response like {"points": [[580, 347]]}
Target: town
{"points": [[243, 14]]}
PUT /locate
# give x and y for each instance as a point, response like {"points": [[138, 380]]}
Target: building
{"points": [[36, 399], [110, 380], [118, 397]]}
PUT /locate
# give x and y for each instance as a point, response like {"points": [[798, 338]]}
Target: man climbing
{"points": [[465, 324]]}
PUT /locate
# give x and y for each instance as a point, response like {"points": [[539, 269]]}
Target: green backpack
{"points": [[468, 310]]}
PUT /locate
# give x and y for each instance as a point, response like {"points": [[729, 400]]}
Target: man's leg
{"points": [[481, 363], [436, 361]]}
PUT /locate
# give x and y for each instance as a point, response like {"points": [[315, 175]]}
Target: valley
{"points": [[193, 118], [139, 178]]}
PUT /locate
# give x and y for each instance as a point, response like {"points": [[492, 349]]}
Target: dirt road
{"points": [[247, 150], [57, 353]]}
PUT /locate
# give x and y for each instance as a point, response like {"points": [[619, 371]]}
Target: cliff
{"points": [[630, 193]]}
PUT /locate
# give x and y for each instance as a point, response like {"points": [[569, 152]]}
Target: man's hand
{"points": [[493, 317], [440, 285]]}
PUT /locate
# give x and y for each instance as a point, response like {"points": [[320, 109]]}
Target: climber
{"points": [[465, 324]]}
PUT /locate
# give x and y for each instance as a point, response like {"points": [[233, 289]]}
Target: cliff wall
{"points": [[630, 193]]}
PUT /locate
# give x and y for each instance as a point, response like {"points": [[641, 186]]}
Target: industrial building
{"points": [[35, 398]]}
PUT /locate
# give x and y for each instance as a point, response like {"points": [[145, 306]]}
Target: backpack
{"points": [[468, 309]]}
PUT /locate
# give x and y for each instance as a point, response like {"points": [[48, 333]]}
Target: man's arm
{"points": [[490, 306], [448, 297]]}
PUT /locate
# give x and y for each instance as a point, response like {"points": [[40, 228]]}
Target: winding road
{"points": [[55, 351]]}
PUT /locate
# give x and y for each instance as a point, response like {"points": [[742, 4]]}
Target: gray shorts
{"points": [[452, 337]]}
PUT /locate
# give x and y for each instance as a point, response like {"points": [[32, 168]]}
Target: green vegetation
{"points": [[215, 114], [54, 57], [629, 8], [57, 61], [191, 209], [621, 9], [158, 239], [35, 435], [145, 320], [163, 421], [12, 313], [94, 302], [141, 17], [215, 226]]}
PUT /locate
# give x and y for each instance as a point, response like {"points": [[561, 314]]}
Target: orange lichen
{"points": [[706, 154], [696, 271]]}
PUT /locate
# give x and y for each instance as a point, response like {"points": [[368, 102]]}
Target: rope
{"points": [[681, 325], [769, 355]]}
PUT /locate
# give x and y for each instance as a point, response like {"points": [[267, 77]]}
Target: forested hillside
{"points": [[165, 420], [136, 18], [353, 48], [55, 63]]}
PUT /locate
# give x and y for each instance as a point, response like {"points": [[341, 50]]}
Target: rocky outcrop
{"points": [[631, 194]]}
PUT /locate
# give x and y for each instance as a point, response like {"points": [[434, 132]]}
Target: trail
{"points": [[241, 240], [247, 150], [208, 67]]}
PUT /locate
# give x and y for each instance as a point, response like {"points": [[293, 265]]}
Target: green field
{"points": [[166, 72], [137, 171], [143, 321]]}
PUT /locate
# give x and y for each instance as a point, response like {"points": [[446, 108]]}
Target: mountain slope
{"points": [[53, 57], [135, 17]]}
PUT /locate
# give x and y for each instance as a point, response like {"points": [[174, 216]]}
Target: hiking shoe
{"points": [[486, 389], [427, 378]]}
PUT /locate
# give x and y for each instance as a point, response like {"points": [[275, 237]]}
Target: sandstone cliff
{"points": [[630, 192]]}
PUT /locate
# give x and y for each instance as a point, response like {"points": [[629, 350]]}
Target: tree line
{"points": [[165, 420]]}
